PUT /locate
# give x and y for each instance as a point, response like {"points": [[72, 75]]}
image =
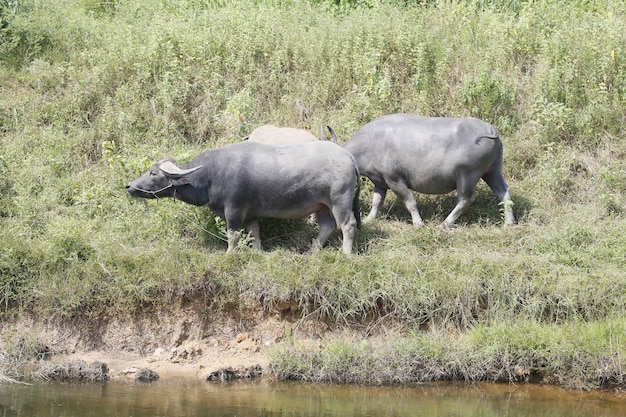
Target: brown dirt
{"points": [[178, 341]]}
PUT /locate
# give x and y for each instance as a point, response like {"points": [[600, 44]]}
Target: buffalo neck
{"points": [[195, 188]]}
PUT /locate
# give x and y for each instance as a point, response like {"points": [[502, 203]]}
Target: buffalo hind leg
{"points": [[463, 202], [345, 218], [377, 201], [498, 185], [327, 227], [254, 229], [348, 231], [466, 194]]}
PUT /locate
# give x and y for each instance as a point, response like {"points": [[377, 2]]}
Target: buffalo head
{"points": [[161, 180]]}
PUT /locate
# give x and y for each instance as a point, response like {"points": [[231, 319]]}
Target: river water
{"points": [[269, 398]]}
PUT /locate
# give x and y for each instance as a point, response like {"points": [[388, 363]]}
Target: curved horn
{"points": [[174, 171]]}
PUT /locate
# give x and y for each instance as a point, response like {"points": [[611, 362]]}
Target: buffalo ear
{"points": [[333, 137], [173, 171]]}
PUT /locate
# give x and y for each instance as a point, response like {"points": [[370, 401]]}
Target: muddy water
{"points": [[274, 399]]}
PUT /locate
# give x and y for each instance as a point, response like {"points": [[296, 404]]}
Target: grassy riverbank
{"points": [[90, 100]]}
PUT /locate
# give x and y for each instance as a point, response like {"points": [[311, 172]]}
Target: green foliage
{"points": [[90, 101], [518, 351]]}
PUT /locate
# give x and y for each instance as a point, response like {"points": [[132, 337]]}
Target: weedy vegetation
{"points": [[90, 101]]}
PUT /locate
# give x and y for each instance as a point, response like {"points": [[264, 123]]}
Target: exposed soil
{"points": [[179, 341], [188, 340]]}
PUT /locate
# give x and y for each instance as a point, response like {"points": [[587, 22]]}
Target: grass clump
{"points": [[578, 355], [90, 102]]}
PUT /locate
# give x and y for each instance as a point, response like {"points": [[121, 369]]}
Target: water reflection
{"points": [[275, 399]]}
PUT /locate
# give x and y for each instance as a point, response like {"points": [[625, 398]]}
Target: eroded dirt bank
{"points": [[187, 339], [181, 340]]}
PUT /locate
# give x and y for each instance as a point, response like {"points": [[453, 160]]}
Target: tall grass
{"points": [[91, 100]]}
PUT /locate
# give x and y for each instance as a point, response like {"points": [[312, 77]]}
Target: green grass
{"points": [[88, 102], [582, 355]]}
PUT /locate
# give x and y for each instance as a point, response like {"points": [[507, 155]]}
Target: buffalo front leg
{"points": [[234, 224], [234, 236], [404, 194], [233, 239]]}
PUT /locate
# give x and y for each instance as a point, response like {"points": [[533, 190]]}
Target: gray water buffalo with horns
{"points": [[431, 155], [275, 135], [245, 181]]}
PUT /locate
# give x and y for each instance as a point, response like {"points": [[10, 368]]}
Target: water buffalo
{"points": [[245, 181], [431, 155], [274, 135], [270, 134]]}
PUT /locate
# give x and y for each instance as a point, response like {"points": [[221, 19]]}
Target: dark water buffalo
{"points": [[431, 155], [245, 181], [274, 135]]}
